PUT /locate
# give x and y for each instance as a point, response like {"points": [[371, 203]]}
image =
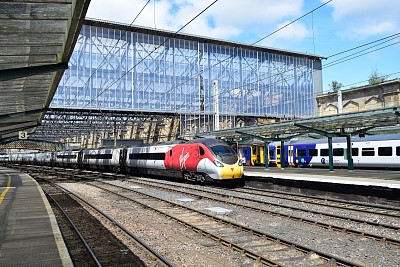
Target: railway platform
{"points": [[357, 177], [358, 184], [29, 234]]}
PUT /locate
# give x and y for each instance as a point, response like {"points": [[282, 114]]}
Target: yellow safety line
{"points": [[7, 188]]}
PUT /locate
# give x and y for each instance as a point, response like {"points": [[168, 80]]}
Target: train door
{"points": [[271, 156], [278, 156], [261, 155], [254, 155], [291, 154]]}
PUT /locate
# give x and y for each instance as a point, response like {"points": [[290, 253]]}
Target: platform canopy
{"points": [[36, 42], [378, 121]]}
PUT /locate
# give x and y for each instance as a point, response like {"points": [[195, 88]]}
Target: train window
{"points": [[385, 151], [221, 150], [271, 153], [151, 156], [324, 152], [313, 152], [368, 151], [66, 156], [354, 151], [97, 156], [254, 149], [170, 153], [301, 153], [337, 152], [397, 150], [201, 151]]}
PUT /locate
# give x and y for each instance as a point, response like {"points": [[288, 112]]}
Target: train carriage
{"points": [[45, 158], [380, 151], [67, 158], [148, 160], [101, 159]]}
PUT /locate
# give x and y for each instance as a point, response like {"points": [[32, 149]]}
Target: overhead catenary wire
{"points": [[293, 21], [230, 57], [155, 49], [109, 51], [196, 75], [344, 59]]}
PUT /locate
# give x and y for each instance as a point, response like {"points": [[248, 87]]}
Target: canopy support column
{"points": [[283, 162], [349, 153], [266, 155], [330, 153]]}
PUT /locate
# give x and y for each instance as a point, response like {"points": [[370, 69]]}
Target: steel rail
{"points": [[137, 239], [328, 257], [332, 205], [89, 250], [301, 219]]}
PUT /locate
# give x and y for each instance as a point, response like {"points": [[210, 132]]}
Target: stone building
{"points": [[369, 97]]}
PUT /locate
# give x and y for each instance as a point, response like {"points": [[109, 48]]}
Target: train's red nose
{"points": [[232, 169]]}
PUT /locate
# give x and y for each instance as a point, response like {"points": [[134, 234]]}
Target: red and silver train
{"points": [[201, 160]]}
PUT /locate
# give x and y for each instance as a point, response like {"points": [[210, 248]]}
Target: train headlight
{"points": [[218, 164]]}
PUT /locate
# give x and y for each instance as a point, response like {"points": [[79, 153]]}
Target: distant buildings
{"points": [[369, 97]]}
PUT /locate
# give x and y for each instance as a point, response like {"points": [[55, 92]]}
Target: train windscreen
{"points": [[224, 153]]}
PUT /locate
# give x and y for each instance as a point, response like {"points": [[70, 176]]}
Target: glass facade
{"points": [[146, 70]]}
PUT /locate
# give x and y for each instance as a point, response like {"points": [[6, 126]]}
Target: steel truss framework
{"points": [[87, 128], [117, 67]]}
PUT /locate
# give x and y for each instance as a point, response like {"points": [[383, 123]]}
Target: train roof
{"points": [[206, 141]]}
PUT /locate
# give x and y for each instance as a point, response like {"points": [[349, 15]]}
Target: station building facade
{"points": [[209, 83], [363, 98]]}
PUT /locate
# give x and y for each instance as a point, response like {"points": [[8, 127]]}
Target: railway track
{"points": [[334, 203], [91, 244], [247, 236], [262, 247], [249, 203]]}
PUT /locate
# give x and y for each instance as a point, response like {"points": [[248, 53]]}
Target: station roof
{"points": [[196, 38], [36, 42], [374, 121]]}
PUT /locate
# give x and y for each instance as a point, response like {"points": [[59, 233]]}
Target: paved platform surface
{"points": [[377, 178], [29, 234]]}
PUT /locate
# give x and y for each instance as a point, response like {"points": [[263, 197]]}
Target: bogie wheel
{"points": [[187, 176], [200, 178]]}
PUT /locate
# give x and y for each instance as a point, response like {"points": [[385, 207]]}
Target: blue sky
{"points": [[337, 26]]}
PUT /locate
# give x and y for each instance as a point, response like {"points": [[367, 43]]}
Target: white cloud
{"points": [[364, 18], [291, 34], [224, 20]]}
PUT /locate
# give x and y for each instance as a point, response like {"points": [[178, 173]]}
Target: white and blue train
{"points": [[375, 151]]}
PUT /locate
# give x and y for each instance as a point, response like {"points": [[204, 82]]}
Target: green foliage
{"points": [[335, 85], [375, 78]]}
